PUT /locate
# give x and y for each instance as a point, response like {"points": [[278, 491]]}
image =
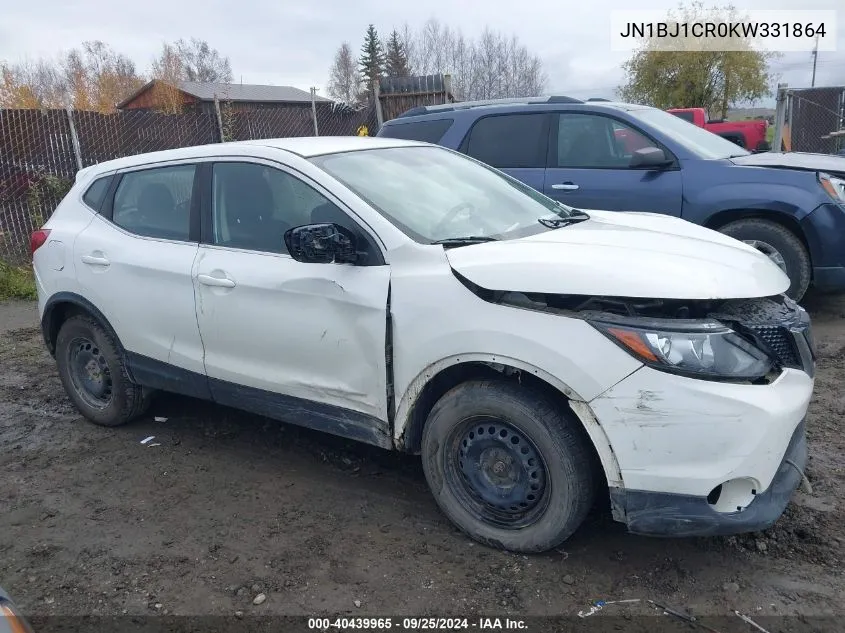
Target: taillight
{"points": [[37, 239]]}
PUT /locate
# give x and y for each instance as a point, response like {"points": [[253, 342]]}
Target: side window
{"points": [[510, 140], [686, 116], [253, 205], [155, 202], [426, 131], [96, 191], [592, 141]]}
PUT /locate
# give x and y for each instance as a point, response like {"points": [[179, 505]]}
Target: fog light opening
{"points": [[714, 495], [734, 495]]}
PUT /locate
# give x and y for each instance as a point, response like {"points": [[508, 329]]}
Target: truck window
{"points": [[510, 140], [686, 116]]}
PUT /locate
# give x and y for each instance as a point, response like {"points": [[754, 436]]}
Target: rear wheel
{"points": [[780, 245], [507, 467], [93, 373]]}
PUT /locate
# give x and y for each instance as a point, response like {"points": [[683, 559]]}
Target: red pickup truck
{"points": [[750, 135]]}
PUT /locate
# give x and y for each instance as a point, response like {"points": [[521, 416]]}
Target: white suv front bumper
{"points": [[679, 440]]}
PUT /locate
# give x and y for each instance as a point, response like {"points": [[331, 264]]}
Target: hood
{"points": [[623, 255], [794, 160]]}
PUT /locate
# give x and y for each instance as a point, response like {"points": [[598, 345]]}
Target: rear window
{"points": [[95, 193], [426, 131]]}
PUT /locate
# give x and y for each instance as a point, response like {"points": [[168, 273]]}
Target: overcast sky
{"points": [[292, 42]]}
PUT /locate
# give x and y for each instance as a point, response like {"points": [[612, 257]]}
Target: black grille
{"points": [[781, 343]]}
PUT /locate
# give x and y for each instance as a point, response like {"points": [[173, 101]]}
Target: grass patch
{"points": [[16, 282]]}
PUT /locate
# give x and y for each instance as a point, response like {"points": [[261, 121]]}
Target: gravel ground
{"points": [[224, 506]]}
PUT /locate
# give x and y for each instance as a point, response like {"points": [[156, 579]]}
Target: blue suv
{"points": [[624, 157]]}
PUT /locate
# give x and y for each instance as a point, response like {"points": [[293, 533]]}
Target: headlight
{"points": [[834, 186], [696, 349]]}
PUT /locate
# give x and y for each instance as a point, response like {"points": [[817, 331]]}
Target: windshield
{"points": [[696, 139], [432, 194]]}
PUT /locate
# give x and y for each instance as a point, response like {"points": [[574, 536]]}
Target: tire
{"points": [[94, 375], [563, 465], [796, 259]]}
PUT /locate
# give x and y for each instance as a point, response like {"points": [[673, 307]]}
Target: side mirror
{"points": [[763, 146], [649, 157], [321, 244]]}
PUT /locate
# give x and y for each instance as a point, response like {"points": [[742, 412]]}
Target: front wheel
{"points": [[780, 245], [507, 467]]}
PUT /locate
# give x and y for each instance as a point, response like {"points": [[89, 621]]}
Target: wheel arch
{"points": [[432, 383], [62, 306], [725, 217]]}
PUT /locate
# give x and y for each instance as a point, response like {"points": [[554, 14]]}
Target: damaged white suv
{"points": [[403, 295]]}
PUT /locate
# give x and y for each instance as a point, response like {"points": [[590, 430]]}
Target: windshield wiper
{"points": [[466, 239], [574, 217]]}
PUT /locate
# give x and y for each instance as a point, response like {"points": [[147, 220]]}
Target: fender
{"points": [[786, 199], [49, 328], [578, 405]]}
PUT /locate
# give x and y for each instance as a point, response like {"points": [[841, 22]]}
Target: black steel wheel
{"points": [[507, 466], [89, 372], [498, 472], [93, 372]]}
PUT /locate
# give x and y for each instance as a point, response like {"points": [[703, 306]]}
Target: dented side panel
{"points": [[438, 322], [311, 331]]}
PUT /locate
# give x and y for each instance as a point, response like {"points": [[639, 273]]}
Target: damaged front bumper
{"points": [[676, 515]]}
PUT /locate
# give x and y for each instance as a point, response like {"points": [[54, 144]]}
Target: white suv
{"points": [[407, 296]]}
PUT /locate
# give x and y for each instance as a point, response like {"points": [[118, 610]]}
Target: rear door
{"points": [[516, 143], [134, 261], [589, 158]]}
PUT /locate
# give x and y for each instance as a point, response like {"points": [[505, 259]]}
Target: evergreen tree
{"points": [[372, 58], [396, 57]]}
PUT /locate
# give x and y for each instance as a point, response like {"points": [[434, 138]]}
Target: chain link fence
{"points": [[41, 150], [810, 120]]}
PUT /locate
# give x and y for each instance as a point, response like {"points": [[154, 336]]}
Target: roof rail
{"points": [[465, 105], [598, 99]]}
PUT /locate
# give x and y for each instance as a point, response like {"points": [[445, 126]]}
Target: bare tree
{"points": [[191, 61], [203, 63], [494, 66], [344, 78], [97, 78], [169, 69], [32, 84], [93, 77]]}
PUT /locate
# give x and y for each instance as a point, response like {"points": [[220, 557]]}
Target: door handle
{"points": [[219, 282], [565, 186], [95, 261]]}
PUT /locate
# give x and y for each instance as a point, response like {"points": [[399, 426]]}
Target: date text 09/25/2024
{"points": [[416, 624]]}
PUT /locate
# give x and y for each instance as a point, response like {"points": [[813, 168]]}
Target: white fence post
{"points": [[780, 118], [314, 110], [377, 96], [219, 118], [77, 150]]}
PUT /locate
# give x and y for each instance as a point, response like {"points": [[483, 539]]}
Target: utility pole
{"points": [[815, 59]]}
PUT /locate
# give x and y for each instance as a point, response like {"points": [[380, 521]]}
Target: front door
{"points": [[301, 342], [589, 168]]}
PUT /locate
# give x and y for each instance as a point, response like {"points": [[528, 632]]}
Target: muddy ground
{"points": [[222, 506]]}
